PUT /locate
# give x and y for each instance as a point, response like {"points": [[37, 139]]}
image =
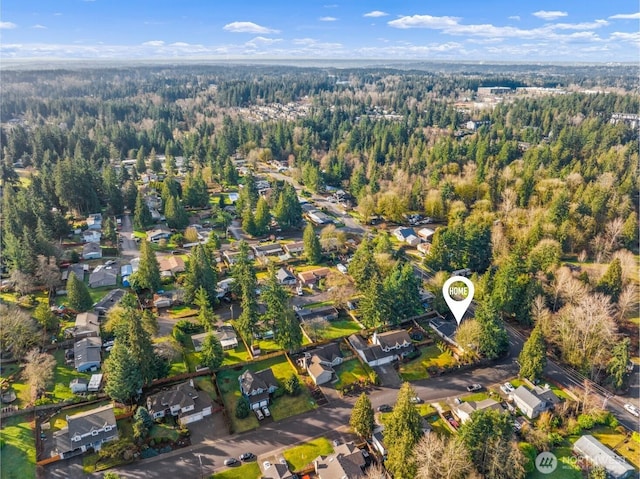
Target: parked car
{"points": [[632, 409], [266, 465], [474, 387], [259, 414], [507, 388], [416, 400], [384, 408], [232, 461], [266, 412], [247, 456]]}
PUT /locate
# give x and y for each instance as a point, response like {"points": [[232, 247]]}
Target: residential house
{"points": [[182, 401], [173, 264], [103, 276], [401, 233], [426, 233], [78, 385], [86, 354], [157, 234], [346, 461], [86, 430], [91, 236], [126, 270], [78, 269], [224, 287], [278, 471], [257, 387], [95, 383], [94, 221], [162, 301], [412, 240], [327, 313], [319, 362], [534, 402], [271, 249], [598, 454], [285, 277], [225, 334], [87, 325], [232, 256], [294, 248], [311, 277], [396, 341], [373, 355], [91, 251], [464, 410], [446, 330], [319, 218]]}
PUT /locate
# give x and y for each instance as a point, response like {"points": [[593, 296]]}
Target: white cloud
{"points": [[633, 37], [304, 41], [514, 17], [262, 41], [580, 26], [375, 14], [57, 14], [327, 19], [549, 14], [247, 27], [625, 16], [153, 43], [180, 44], [7, 25], [423, 21], [39, 27]]}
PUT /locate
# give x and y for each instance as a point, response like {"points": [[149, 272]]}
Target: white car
{"points": [[266, 465], [632, 409], [507, 388]]}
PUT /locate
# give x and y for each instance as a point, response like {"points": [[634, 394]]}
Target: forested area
{"points": [[544, 179]]}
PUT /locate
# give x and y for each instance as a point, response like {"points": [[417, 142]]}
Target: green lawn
{"points": [[205, 384], [281, 407], [480, 396], [18, 456], [183, 311], [440, 427], [62, 377], [250, 470], [350, 372], [299, 456], [566, 468], [178, 366], [338, 329], [430, 356], [236, 355], [163, 430], [615, 440]]}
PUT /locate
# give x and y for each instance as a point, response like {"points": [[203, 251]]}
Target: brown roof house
{"points": [[257, 387], [87, 325], [319, 362], [183, 401], [346, 461], [313, 276], [85, 430], [172, 264]]}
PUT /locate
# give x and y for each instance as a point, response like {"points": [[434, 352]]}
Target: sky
{"points": [[458, 30]]}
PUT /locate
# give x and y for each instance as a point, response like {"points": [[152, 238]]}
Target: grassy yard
{"points": [[178, 366], [18, 456], [236, 355], [183, 311], [338, 329], [63, 375], [616, 441], [300, 456], [281, 407], [440, 428], [59, 421], [205, 384], [566, 468], [246, 471], [430, 356], [163, 430], [350, 372]]}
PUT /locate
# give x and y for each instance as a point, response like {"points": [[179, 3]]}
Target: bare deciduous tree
{"points": [[18, 331], [627, 301], [38, 371], [439, 457], [627, 262]]}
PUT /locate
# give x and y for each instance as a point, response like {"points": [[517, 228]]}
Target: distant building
{"points": [[493, 90], [91, 251], [294, 248], [328, 313], [285, 277], [225, 334], [157, 234], [78, 385]]}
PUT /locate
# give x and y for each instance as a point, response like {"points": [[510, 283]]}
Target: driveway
{"points": [[389, 377]]}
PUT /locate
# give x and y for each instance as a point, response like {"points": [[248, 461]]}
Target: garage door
{"points": [[192, 418]]}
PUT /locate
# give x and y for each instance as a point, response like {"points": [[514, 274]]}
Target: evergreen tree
{"points": [[130, 195], [140, 346], [375, 305], [195, 192], [533, 357], [141, 216], [403, 430], [363, 267], [514, 288], [288, 211], [148, 274], [493, 337], [611, 282], [123, 375], [176, 215], [248, 222], [200, 273], [620, 360], [45, 318], [288, 333], [401, 287], [245, 281], [361, 420], [312, 248], [275, 298], [78, 294], [212, 354], [263, 217], [109, 231], [205, 315]]}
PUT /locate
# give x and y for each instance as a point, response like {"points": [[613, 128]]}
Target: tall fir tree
{"points": [[200, 273], [246, 282], [212, 353], [312, 247], [611, 282], [78, 295], [533, 357], [361, 420], [148, 274], [141, 216]]}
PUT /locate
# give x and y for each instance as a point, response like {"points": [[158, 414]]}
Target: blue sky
{"points": [[480, 30]]}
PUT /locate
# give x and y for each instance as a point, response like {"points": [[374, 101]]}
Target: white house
{"points": [[467, 408], [319, 362], [87, 430], [91, 236], [183, 401], [534, 402], [225, 334], [396, 342], [373, 355], [257, 387], [78, 385], [425, 233], [600, 455], [91, 251], [285, 277]]}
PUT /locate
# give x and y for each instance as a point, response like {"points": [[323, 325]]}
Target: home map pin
{"points": [[458, 307]]}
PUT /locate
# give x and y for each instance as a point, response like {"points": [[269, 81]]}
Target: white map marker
{"points": [[458, 307]]}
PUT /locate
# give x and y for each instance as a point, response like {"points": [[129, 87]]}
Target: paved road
{"points": [[128, 246]]}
